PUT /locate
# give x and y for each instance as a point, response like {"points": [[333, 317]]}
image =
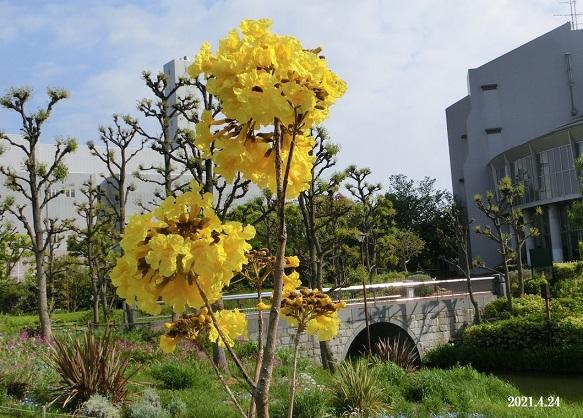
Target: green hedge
{"points": [[533, 306], [553, 359], [525, 333]]}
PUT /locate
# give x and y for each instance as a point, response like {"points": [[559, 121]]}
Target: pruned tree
{"points": [[498, 209], [37, 184], [14, 247], [94, 243], [121, 143], [456, 237], [318, 214], [364, 193], [523, 230], [166, 105]]}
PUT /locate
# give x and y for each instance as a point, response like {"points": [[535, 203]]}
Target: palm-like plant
{"points": [[93, 365], [358, 391], [399, 351]]}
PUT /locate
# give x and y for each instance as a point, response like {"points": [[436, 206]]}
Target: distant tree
{"points": [[365, 194], [120, 145], [72, 284], [14, 247], [38, 184], [94, 244], [407, 244], [456, 236], [420, 207]]}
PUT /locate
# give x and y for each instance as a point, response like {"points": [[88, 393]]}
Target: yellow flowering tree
{"points": [[272, 91]]}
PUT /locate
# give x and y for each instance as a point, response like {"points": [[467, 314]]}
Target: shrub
{"points": [[390, 374], [99, 407], [148, 407], [357, 390], [554, 359], [567, 271], [312, 404], [523, 306], [525, 333], [177, 408], [174, 375], [87, 368], [568, 288], [533, 286]]}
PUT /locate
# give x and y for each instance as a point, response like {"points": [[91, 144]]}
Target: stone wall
{"points": [[428, 321]]}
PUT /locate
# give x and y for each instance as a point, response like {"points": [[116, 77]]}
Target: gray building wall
{"points": [[518, 105]]}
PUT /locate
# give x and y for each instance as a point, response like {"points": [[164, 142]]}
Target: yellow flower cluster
{"points": [[236, 148], [169, 251], [261, 76], [233, 324], [313, 311]]}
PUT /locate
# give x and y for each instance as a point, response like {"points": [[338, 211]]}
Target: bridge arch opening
{"points": [[380, 331]]}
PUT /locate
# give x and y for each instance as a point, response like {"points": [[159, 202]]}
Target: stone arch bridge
{"points": [[426, 314]]}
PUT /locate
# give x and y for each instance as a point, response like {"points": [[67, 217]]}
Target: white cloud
{"points": [[404, 61]]}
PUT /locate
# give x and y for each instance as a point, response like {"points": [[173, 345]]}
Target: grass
{"points": [[428, 391]]}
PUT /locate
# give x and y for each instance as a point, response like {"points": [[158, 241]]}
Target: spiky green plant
{"points": [[357, 390], [399, 351], [89, 366]]}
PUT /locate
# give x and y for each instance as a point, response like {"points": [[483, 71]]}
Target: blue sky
{"points": [[404, 61]]}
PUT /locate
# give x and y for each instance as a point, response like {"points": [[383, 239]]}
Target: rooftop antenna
{"points": [[572, 13]]}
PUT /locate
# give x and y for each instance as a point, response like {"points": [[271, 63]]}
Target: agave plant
{"points": [[399, 351], [93, 365]]}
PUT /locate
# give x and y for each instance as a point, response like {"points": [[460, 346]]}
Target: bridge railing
{"points": [[396, 291]]}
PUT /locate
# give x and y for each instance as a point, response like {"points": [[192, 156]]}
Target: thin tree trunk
{"points": [[219, 358], [261, 393], [468, 274], [252, 408], [95, 302], [520, 269], [292, 385], [507, 285], [328, 360], [43, 306]]}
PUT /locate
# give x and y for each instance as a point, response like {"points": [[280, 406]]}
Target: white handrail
{"points": [[402, 284]]}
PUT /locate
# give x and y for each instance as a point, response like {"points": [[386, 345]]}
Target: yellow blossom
{"points": [[179, 244], [232, 323], [262, 306], [291, 281], [292, 261], [324, 326], [167, 344]]}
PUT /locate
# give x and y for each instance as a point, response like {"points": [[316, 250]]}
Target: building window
{"points": [[486, 87], [70, 191], [523, 172], [557, 176], [491, 131]]}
